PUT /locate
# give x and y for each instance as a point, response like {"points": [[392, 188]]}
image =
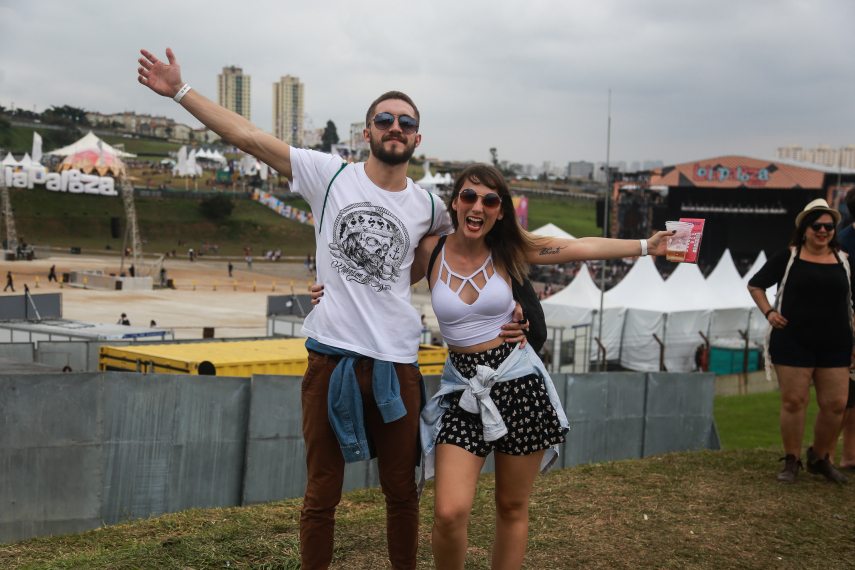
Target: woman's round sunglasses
{"points": [[816, 226], [469, 196], [384, 121]]}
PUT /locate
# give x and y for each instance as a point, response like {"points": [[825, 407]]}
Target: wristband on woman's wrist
{"points": [[643, 247], [181, 93], [770, 311]]}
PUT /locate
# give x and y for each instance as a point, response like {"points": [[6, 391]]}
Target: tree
{"points": [[66, 115], [217, 208], [330, 137], [495, 154]]}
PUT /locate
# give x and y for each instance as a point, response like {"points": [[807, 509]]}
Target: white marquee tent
{"points": [[579, 303], [551, 230], [676, 310], [89, 142]]}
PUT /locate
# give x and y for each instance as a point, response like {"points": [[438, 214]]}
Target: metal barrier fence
{"points": [[81, 450]]}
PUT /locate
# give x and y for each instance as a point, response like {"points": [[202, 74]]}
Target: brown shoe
{"points": [[791, 469], [824, 467]]}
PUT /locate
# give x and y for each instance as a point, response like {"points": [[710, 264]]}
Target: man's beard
{"points": [[391, 158]]}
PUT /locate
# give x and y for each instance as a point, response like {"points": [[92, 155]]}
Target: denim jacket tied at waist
{"points": [[476, 399], [344, 401]]}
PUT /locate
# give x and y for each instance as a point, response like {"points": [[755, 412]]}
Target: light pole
{"points": [[605, 217]]}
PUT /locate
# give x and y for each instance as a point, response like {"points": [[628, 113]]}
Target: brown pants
{"points": [[397, 449]]}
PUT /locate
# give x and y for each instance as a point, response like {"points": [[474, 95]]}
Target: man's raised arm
{"points": [[165, 79]]}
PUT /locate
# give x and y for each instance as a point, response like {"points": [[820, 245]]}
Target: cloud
{"points": [[689, 79]]}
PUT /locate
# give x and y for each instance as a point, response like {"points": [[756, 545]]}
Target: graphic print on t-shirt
{"points": [[370, 245]]}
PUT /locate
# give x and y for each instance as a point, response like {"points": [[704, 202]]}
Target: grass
{"points": [[63, 220], [702, 510], [751, 420], [576, 217]]}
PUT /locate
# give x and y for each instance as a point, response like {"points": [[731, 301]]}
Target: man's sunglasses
{"points": [[469, 196], [816, 226], [384, 121]]}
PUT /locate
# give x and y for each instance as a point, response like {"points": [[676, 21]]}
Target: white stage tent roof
{"points": [[551, 230], [579, 303], [89, 142], [677, 310]]}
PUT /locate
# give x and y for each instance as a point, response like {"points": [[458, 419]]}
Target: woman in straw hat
{"points": [[810, 336]]}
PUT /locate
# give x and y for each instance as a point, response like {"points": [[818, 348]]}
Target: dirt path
{"points": [[240, 313]]}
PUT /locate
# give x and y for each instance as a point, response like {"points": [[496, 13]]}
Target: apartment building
{"points": [[233, 91], [288, 111]]}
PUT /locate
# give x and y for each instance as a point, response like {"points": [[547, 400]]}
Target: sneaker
{"points": [[790, 470], [824, 467]]}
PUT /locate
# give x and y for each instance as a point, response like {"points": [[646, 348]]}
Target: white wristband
{"points": [[181, 93], [643, 247]]}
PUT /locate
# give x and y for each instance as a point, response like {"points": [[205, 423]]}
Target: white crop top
{"points": [[463, 324]]}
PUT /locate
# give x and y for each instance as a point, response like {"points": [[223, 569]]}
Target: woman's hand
{"points": [[515, 331], [161, 78], [776, 319], [658, 243], [317, 293]]}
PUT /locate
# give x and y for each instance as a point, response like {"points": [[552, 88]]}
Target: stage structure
{"points": [[749, 204]]}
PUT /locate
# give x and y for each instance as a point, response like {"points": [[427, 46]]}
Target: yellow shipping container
{"points": [[239, 358]]}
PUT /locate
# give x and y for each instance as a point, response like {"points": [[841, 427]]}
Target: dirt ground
{"points": [[232, 313]]}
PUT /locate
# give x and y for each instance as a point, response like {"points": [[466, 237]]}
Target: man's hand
{"points": [[161, 78], [515, 331], [317, 293]]}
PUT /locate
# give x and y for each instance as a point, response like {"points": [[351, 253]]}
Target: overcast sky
{"points": [[689, 79]]}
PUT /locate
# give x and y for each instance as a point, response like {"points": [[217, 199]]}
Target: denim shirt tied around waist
{"points": [[344, 401], [476, 399]]}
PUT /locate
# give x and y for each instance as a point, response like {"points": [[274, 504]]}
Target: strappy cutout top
{"points": [[464, 324]]}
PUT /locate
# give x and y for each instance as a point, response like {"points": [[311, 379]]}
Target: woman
{"points": [[494, 395], [811, 336]]}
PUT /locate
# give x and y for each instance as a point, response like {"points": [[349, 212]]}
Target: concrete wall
{"points": [[80, 449]]}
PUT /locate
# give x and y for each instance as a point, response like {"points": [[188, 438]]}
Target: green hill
{"points": [[64, 220]]}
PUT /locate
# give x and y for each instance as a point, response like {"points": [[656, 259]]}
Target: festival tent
{"points": [[551, 230], [94, 162], [734, 304], [687, 289], [642, 292], [579, 303], [10, 161], [89, 142], [218, 156]]}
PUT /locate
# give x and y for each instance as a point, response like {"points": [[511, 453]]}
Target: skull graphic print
{"points": [[370, 245]]}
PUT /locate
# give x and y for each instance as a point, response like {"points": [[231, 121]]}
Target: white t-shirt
{"points": [[366, 238]]}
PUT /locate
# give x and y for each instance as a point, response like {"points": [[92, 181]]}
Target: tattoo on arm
{"points": [[551, 250]]}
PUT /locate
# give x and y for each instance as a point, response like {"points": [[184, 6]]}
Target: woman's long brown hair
{"points": [[507, 239]]}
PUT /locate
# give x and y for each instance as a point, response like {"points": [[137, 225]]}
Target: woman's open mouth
{"points": [[474, 224]]}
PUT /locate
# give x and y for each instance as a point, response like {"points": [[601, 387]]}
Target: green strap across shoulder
{"points": [[327, 195], [431, 213]]}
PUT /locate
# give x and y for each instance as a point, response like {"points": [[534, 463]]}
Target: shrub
{"points": [[217, 208]]}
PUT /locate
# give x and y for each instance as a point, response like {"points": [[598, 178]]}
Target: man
{"points": [[231, 268], [123, 320], [52, 275], [363, 338], [9, 280]]}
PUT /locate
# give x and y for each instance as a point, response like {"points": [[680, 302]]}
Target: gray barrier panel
{"points": [[85, 447], [22, 351], [62, 353], [606, 416], [679, 413], [16, 307], [275, 452], [209, 442], [50, 454]]}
